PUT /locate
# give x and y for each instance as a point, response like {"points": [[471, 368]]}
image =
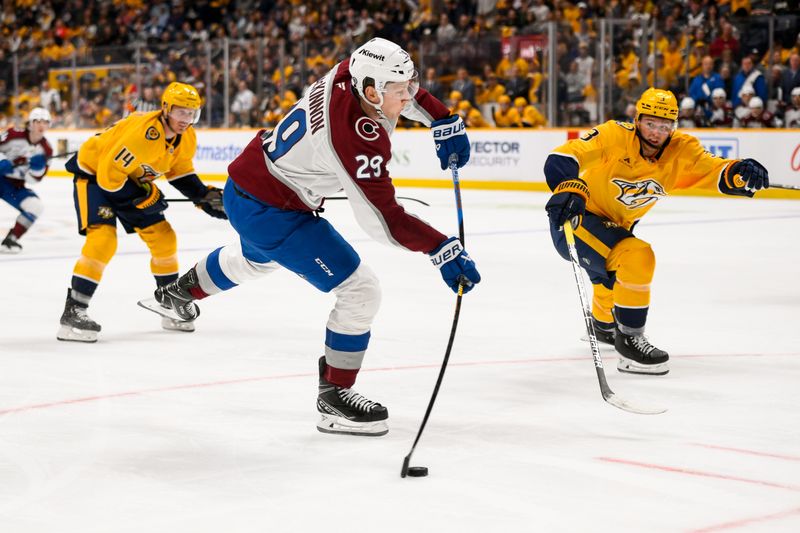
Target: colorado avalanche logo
{"points": [[640, 193], [367, 129]]}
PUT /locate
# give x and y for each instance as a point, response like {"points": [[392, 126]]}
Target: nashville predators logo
{"points": [[640, 193], [152, 134], [105, 212]]}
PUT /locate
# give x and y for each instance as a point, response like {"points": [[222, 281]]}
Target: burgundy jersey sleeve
{"points": [[363, 150]]}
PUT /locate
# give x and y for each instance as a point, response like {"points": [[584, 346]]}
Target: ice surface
{"points": [[156, 431]]}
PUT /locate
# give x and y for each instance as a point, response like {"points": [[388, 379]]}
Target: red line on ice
{"points": [[747, 521]]}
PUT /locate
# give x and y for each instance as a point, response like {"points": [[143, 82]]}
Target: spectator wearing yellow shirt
{"points": [[530, 117], [471, 116], [453, 101], [491, 91], [506, 116]]}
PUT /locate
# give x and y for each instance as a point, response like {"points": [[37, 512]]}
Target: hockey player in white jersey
{"points": [[23, 161], [336, 137]]}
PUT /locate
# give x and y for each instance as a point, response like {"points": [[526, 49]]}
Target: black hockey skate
{"points": [[638, 356], [10, 245], [175, 298], [75, 323], [604, 331], [345, 411]]}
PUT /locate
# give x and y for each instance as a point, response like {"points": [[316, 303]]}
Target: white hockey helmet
{"points": [[687, 103], [39, 113], [379, 62], [756, 102], [719, 92], [796, 91]]}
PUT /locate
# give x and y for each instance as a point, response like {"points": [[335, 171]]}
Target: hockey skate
{"points": [[76, 324], [170, 324], [174, 301], [638, 356], [10, 245], [603, 332], [345, 411]]}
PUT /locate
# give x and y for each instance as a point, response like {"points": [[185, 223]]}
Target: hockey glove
{"points": [[211, 203], [455, 265], [568, 202], [744, 178], [6, 167], [37, 162], [153, 202], [450, 137]]}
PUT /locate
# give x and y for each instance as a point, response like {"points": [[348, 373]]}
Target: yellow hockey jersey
{"points": [[136, 148], [623, 185]]}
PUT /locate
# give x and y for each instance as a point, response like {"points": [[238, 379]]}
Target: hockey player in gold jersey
{"points": [[114, 173], [607, 180]]}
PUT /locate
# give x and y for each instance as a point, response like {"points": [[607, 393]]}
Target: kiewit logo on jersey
{"points": [[639, 193], [379, 57]]}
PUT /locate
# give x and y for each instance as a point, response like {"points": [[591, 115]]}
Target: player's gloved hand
{"points": [[450, 137], [568, 202], [754, 176], [211, 203], [6, 167], [37, 162], [455, 265], [153, 202]]}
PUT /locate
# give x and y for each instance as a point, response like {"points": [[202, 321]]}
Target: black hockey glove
{"points": [[744, 178], [211, 203], [568, 202], [153, 202]]}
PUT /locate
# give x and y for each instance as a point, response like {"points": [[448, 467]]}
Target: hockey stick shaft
{"points": [[327, 198], [55, 156], [787, 187], [608, 395], [457, 312]]}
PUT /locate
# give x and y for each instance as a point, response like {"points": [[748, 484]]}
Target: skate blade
{"points": [[152, 305], [629, 366], [342, 426], [177, 325], [10, 251], [68, 333]]}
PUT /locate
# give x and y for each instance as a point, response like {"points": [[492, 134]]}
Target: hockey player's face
{"points": [[395, 97], [655, 130], [37, 129], [180, 118]]}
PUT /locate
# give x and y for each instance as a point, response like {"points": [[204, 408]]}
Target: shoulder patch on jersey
{"points": [[589, 135], [638, 194], [367, 129], [626, 125], [152, 134]]}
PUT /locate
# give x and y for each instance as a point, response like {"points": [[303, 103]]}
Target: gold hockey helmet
{"points": [[181, 95], [657, 103]]}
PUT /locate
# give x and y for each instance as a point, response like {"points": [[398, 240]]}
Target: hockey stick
{"points": [[457, 188], [56, 156], [787, 187], [327, 198], [608, 394]]}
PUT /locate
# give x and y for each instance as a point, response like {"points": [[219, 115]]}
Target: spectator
{"points": [[748, 76], [517, 84], [243, 103], [725, 41], [446, 32], [791, 77], [453, 100], [432, 84], [721, 110], [506, 116], [492, 90], [49, 97], [690, 115], [585, 63], [704, 84], [471, 116], [758, 116], [529, 115], [791, 119], [464, 85]]}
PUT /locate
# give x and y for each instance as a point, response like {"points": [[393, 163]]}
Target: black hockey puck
{"points": [[417, 471]]}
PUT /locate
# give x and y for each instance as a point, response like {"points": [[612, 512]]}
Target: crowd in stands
{"points": [[251, 59]]}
